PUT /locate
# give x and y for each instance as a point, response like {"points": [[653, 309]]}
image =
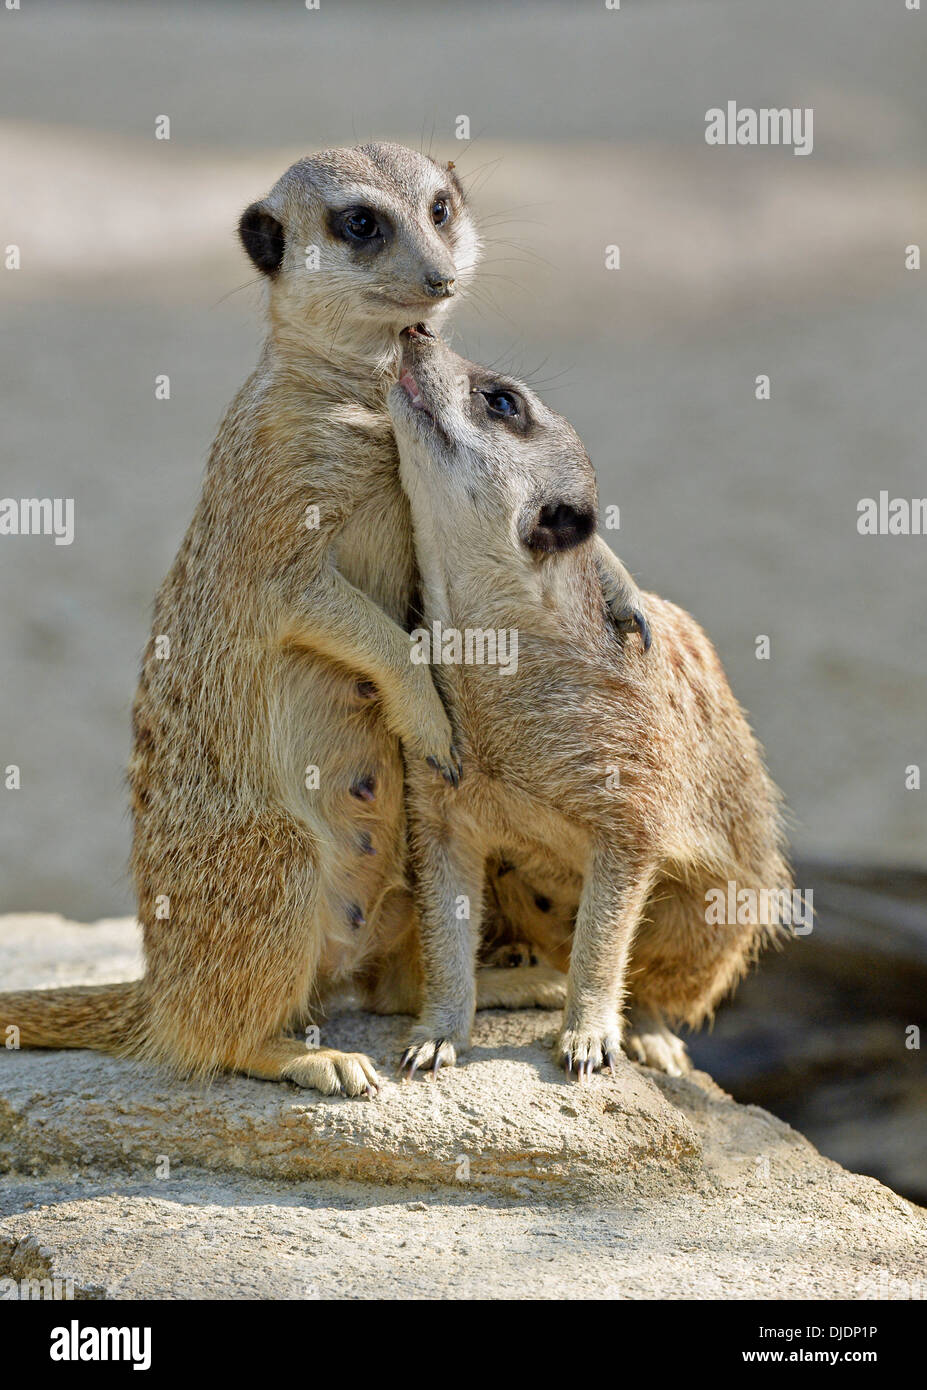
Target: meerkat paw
{"points": [[334, 1073], [427, 1052], [650, 1042], [627, 618], [420, 720], [583, 1050], [449, 766], [511, 955], [435, 744]]}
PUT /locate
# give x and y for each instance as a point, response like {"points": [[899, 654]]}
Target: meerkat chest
{"points": [[538, 732], [375, 550]]}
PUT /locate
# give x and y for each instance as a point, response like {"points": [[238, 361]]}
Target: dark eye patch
{"points": [[359, 226], [441, 209], [504, 404], [494, 402]]}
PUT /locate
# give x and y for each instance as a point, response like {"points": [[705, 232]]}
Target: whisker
{"points": [[247, 285]]}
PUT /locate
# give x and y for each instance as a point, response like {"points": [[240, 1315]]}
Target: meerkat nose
{"points": [[441, 286]]}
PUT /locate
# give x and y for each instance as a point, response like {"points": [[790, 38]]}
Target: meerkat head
{"points": [[501, 484], [357, 244]]}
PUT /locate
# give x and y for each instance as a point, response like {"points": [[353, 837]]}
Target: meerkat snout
{"points": [[506, 454]]}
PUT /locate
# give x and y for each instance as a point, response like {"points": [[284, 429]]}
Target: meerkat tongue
{"points": [[410, 386]]}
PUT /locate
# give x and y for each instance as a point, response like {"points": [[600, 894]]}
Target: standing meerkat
{"points": [[637, 778], [266, 774]]}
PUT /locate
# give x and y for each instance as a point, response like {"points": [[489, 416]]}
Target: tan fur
{"points": [[258, 893], [626, 785]]}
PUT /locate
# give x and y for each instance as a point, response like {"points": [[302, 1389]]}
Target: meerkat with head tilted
{"points": [[635, 777], [277, 699]]}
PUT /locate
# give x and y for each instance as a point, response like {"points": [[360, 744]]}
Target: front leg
{"points": [[623, 599], [330, 616], [449, 873], [613, 899]]}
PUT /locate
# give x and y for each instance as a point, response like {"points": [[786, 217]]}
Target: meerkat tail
{"points": [[104, 1018]]}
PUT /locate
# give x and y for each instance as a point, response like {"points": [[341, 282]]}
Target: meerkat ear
{"points": [[262, 237], [559, 526]]}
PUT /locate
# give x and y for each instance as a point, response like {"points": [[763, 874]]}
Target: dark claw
{"points": [[636, 622], [356, 917], [366, 690], [437, 1062], [611, 1059], [409, 1056], [450, 773], [366, 843]]}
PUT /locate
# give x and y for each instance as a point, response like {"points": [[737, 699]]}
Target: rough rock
{"points": [[500, 1179]]}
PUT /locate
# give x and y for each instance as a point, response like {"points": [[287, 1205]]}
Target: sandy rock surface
{"points": [[499, 1180]]}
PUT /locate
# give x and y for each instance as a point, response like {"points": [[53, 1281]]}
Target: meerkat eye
{"points": [[360, 224], [502, 403], [440, 211]]}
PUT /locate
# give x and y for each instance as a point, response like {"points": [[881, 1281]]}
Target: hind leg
{"points": [[648, 1040], [238, 961], [396, 988], [681, 967], [531, 987], [319, 1069]]}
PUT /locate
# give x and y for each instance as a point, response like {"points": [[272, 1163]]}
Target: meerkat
{"points": [[636, 778], [276, 701]]}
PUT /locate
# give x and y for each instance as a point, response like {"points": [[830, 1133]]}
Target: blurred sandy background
{"points": [[589, 130]]}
